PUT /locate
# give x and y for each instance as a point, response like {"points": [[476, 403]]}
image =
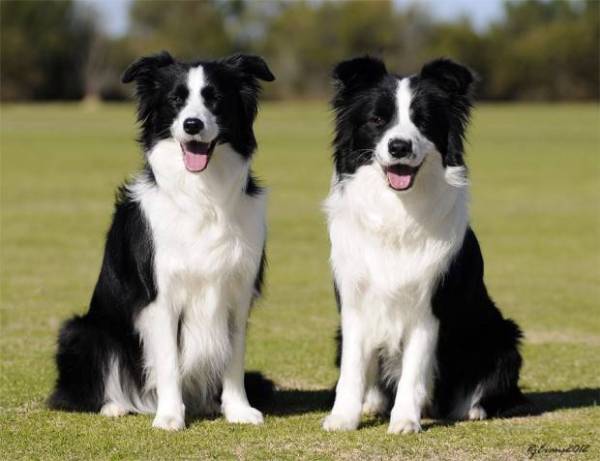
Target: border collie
{"points": [[418, 328], [184, 256]]}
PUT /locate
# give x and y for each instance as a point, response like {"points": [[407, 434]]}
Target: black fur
{"points": [[125, 285], [364, 107], [476, 345]]}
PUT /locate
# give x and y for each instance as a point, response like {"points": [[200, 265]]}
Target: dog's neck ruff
{"points": [[435, 208], [218, 187]]}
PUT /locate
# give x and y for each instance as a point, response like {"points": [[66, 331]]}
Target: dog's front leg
{"points": [[375, 401], [234, 402], [157, 325], [414, 388], [350, 389]]}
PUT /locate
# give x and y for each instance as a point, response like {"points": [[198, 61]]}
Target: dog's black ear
{"points": [[252, 65], [359, 71], [146, 66], [452, 77]]}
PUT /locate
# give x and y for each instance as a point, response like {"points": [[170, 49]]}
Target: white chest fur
{"points": [[205, 229], [388, 249], [204, 245], [208, 238]]}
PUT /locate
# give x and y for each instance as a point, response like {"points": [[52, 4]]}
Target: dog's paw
{"points": [[477, 413], [239, 414], [375, 403], [337, 422], [169, 422], [403, 426], [113, 410]]}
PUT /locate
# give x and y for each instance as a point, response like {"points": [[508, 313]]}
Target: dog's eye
{"points": [[176, 99], [377, 121], [209, 94]]}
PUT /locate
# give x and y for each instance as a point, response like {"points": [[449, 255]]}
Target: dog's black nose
{"points": [[400, 148], [192, 125]]}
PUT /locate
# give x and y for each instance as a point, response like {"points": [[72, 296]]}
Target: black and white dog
{"points": [[416, 318], [184, 256]]}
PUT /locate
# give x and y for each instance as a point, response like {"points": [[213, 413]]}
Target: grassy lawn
{"points": [[536, 208]]}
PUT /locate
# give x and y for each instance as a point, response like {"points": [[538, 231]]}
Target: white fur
{"points": [[388, 250], [468, 406], [120, 396], [456, 176], [112, 410], [208, 238], [375, 402]]}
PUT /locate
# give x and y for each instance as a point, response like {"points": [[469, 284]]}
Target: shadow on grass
{"points": [[267, 397], [283, 402], [287, 402], [545, 402]]}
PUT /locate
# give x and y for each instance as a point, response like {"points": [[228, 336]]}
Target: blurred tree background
{"points": [[537, 50]]}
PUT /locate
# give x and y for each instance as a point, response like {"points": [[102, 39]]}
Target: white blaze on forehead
{"points": [[195, 108], [196, 81], [403, 100], [404, 127]]}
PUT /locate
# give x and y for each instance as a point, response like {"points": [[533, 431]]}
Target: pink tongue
{"points": [[399, 181], [195, 162]]}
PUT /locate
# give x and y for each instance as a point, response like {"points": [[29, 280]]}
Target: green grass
{"points": [[536, 208]]}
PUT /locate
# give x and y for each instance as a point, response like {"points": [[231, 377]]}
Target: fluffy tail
{"points": [[502, 396], [82, 358]]}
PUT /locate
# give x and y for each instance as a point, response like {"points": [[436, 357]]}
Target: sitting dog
{"points": [[418, 326], [184, 256]]}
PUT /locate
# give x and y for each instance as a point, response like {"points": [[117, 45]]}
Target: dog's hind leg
{"points": [[113, 410], [475, 411], [82, 360], [498, 393], [121, 394]]}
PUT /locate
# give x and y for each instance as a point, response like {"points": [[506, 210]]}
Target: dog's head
{"points": [[398, 122], [198, 104]]}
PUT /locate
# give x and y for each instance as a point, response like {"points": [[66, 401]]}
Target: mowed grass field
{"points": [[535, 173]]}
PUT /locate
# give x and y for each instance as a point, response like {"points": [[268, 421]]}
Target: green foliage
{"points": [[189, 28], [539, 50], [43, 48], [535, 178], [306, 39], [546, 51]]}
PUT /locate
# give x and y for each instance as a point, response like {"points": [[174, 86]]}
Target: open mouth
{"points": [[401, 177], [196, 155]]}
